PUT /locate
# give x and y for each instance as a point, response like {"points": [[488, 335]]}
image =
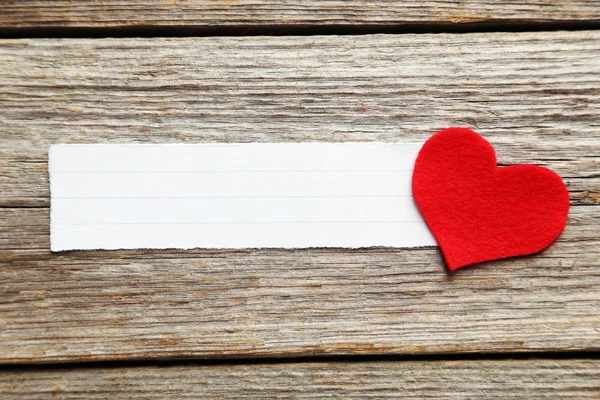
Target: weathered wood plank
{"points": [[534, 96], [513, 88], [480, 379], [198, 13], [102, 305]]}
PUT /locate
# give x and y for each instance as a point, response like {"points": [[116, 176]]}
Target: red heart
{"points": [[478, 211]]}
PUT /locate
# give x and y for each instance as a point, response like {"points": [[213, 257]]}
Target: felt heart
{"points": [[478, 211]]}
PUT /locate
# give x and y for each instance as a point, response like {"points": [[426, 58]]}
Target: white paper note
{"points": [[293, 195]]}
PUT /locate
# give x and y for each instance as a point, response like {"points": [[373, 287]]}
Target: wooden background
{"points": [[329, 323]]}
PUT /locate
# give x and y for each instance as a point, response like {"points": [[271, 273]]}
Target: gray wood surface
{"points": [[236, 13], [475, 379], [535, 96]]}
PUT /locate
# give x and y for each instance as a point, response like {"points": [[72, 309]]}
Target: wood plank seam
{"points": [[287, 30]]}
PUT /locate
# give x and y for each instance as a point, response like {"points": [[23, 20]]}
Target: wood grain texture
{"points": [[239, 13], [533, 95], [481, 379]]}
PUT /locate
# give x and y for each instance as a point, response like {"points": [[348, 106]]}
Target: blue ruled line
{"points": [[237, 197], [232, 223], [232, 171]]}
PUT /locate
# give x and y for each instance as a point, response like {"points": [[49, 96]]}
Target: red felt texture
{"points": [[478, 211]]}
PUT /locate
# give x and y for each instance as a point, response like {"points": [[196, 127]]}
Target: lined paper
{"points": [[294, 195]]}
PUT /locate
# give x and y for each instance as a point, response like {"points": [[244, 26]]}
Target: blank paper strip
{"points": [[234, 196]]}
